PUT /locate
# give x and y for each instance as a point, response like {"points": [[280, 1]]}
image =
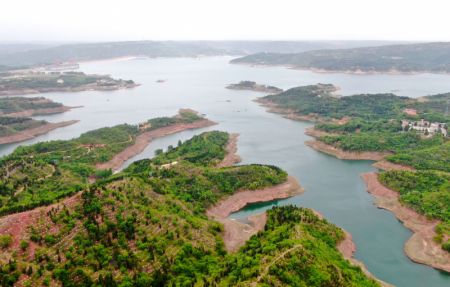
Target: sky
{"points": [[114, 20]]}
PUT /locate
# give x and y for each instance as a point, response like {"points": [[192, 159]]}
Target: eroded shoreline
{"points": [[420, 247], [237, 233], [144, 139], [34, 132]]}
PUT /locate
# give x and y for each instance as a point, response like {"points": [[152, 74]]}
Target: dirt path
{"points": [[275, 260], [421, 247], [31, 133], [231, 157], [144, 139]]}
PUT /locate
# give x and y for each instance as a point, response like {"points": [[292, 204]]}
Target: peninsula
{"points": [[16, 124], [409, 139], [33, 81], [147, 225], [253, 86]]}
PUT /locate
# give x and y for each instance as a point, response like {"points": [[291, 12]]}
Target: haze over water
{"points": [[333, 187]]}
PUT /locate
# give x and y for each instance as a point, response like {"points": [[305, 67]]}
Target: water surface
{"points": [[333, 187]]}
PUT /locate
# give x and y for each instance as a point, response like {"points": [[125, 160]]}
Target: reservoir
{"points": [[332, 186]]}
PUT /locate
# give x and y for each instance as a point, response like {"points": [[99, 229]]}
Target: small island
{"points": [[22, 82], [16, 123], [253, 86]]}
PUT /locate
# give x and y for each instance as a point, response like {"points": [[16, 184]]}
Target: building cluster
{"points": [[425, 127]]}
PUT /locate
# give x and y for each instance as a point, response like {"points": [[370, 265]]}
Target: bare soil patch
{"points": [[421, 247]]}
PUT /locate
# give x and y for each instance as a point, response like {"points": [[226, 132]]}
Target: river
{"points": [[333, 187]]}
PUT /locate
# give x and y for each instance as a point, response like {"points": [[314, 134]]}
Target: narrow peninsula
{"points": [[34, 81], [16, 124]]}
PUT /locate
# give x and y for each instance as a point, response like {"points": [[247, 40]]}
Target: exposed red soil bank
{"points": [[341, 154], [235, 232], [231, 157], [144, 139], [421, 247], [33, 132]]}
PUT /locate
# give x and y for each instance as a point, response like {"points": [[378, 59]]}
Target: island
{"points": [[409, 140], [253, 86], [35, 81], [16, 123], [393, 59], [148, 225]]}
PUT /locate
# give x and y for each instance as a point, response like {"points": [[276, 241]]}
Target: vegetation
{"points": [[319, 100], [374, 123], [19, 104], [424, 57], [145, 226], [11, 125], [41, 173], [253, 86], [54, 81], [427, 192]]}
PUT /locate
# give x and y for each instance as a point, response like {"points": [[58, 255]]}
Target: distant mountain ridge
{"points": [[96, 51], [403, 58]]}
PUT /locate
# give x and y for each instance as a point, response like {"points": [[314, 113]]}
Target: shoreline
{"points": [[348, 248], [231, 157], [22, 92], [40, 112], [345, 155], [420, 247], [236, 233], [347, 72], [144, 139], [34, 132]]}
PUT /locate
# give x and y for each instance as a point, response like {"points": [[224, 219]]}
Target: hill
{"points": [[147, 226], [405, 58], [95, 51]]}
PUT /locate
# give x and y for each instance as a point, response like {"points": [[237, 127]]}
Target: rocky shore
{"points": [[347, 155], [231, 157], [237, 233], [33, 132], [421, 247]]}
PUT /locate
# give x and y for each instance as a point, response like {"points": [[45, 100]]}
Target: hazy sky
{"points": [[104, 20]]}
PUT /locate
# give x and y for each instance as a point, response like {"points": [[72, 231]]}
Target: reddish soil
{"points": [[48, 111], [386, 165], [17, 224], [347, 248], [240, 199], [236, 233], [341, 154], [231, 157], [144, 139], [410, 112], [31, 133], [421, 247]]}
